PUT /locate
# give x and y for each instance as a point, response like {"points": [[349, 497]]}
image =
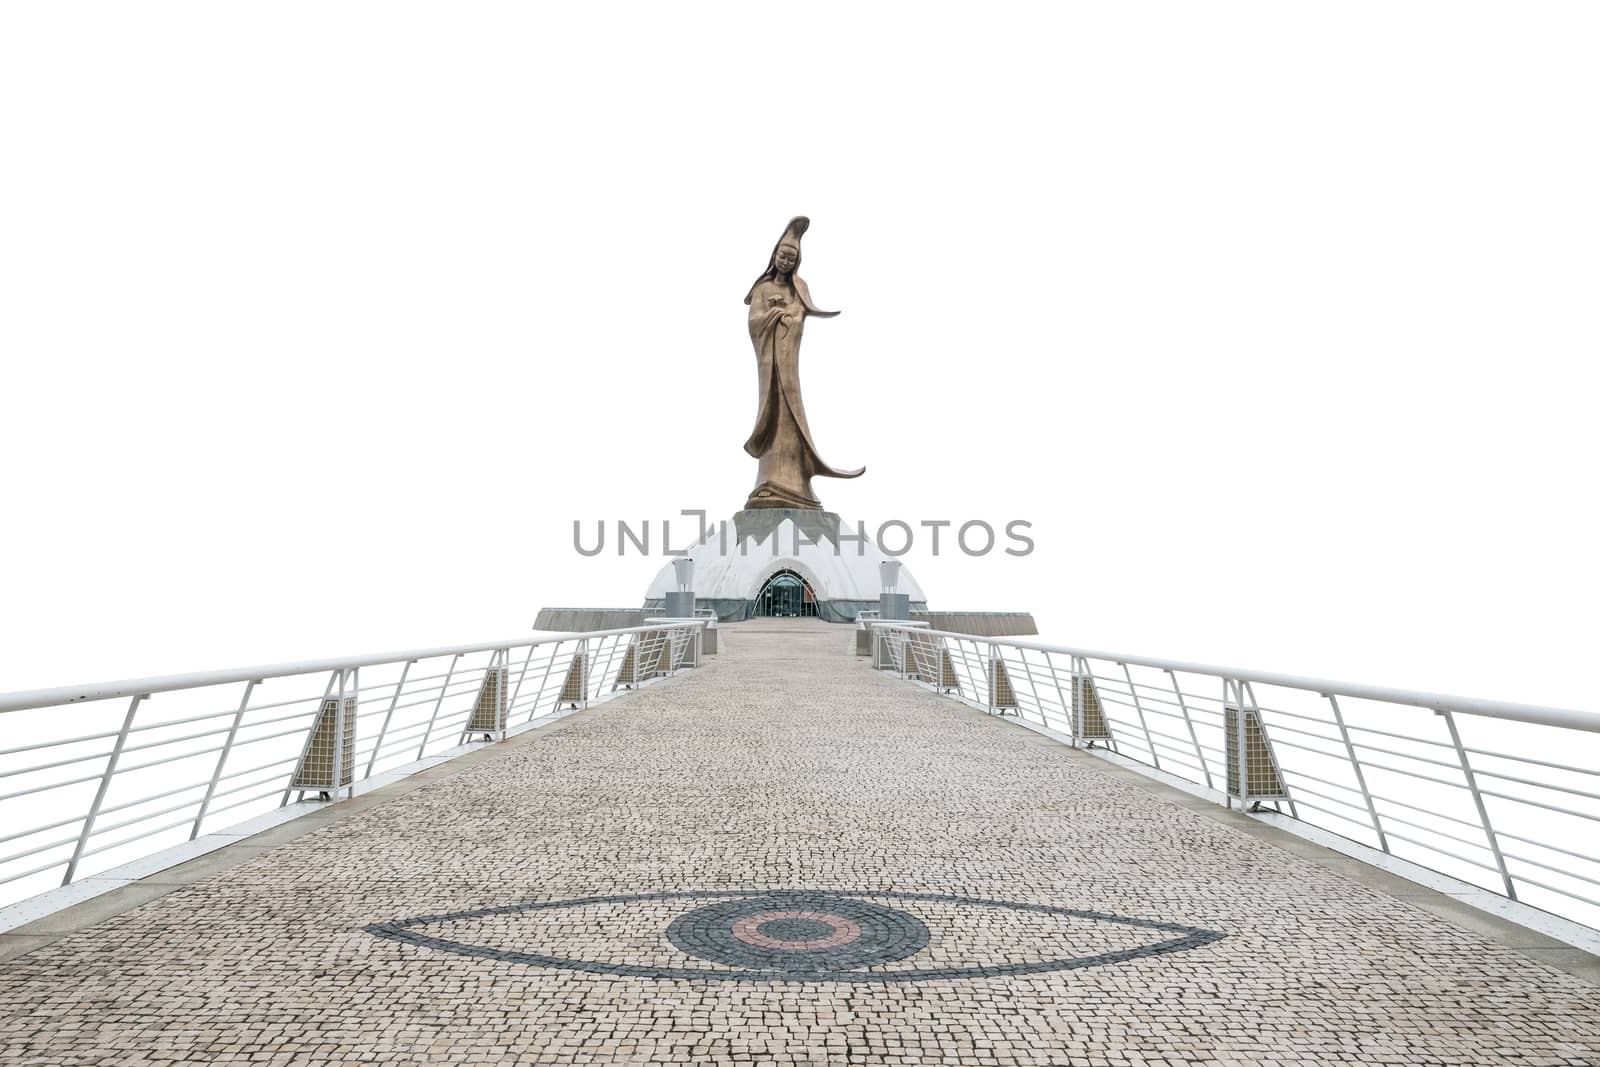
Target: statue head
{"points": [[786, 257], [785, 263]]}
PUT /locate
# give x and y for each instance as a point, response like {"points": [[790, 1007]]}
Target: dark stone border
{"points": [[404, 931]]}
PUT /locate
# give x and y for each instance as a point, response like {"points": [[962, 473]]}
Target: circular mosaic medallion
{"points": [[798, 933]]}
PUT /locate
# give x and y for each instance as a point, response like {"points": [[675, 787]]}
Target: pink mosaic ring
{"points": [[760, 930]]}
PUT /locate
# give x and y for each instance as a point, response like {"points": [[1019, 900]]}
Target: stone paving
{"points": [[784, 857]]}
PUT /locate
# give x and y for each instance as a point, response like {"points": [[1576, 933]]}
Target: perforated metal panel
{"points": [[1088, 717], [316, 766], [574, 690], [489, 713], [1261, 778], [628, 673], [1001, 695], [948, 681]]}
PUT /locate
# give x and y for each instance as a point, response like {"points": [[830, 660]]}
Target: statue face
{"points": [[786, 258]]}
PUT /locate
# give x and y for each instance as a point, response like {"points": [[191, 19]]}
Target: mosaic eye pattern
{"points": [[796, 935]]}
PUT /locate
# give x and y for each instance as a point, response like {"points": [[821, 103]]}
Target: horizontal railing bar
{"points": [[1181, 756], [51, 785], [258, 767], [1558, 870], [1427, 811], [131, 687], [175, 757], [1481, 773], [57, 744], [1407, 755], [143, 726], [126, 804], [274, 791], [1540, 804], [1536, 762], [175, 740], [275, 776], [35, 768], [1298, 715], [192, 803], [56, 825], [1370, 765], [254, 724], [1555, 889], [1442, 851], [1277, 741], [1325, 781], [109, 845], [1431, 830], [1402, 737], [62, 862], [1494, 709], [58, 843], [1278, 729], [1552, 848], [1308, 791], [1330, 813]]}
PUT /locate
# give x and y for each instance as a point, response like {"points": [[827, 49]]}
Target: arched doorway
{"points": [[786, 595]]}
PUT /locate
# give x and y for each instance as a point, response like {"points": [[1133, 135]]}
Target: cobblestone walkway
{"points": [[785, 858]]}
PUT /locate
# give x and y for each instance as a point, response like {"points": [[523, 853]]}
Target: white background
{"points": [[322, 323]]}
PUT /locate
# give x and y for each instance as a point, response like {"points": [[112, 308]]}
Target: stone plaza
{"points": [[785, 857]]}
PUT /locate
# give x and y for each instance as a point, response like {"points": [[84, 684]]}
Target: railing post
{"points": [[1055, 679], [993, 674], [1361, 778], [100, 793], [443, 689], [1477, 798], [1194, 738], [522, 675], [1078, 700], [222, 757], [338, 742], [1149, 741], [1027, 667], [1241, 751], [388, 715], [583, 673], [544, 679]]}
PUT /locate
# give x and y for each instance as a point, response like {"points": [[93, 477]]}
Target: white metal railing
{"points": [[1503, 795], [94, 776]]}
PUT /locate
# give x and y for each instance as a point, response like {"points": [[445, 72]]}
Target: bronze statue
{"points": [[779, 304]]}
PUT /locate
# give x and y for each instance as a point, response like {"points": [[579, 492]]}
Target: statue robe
{"points": [[781, 439]]}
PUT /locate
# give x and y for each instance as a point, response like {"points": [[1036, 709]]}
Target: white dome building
{"points": [[777, 561]]}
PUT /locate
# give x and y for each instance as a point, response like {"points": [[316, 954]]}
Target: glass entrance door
{"points": [[786, 595]]}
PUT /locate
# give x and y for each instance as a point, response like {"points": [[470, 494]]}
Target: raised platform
{"points": [[739, 556]]}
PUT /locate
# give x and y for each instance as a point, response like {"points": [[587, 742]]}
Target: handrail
{"points": [[1567, 718], [1506, 783], [335, 723], [23, 700]]}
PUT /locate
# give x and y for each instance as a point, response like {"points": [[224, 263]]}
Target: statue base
{"points": [[770, 495]]}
